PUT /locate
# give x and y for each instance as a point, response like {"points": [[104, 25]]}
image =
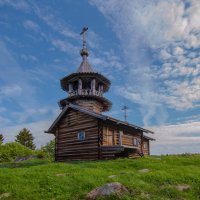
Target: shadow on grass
{"points": [[24, 164]]}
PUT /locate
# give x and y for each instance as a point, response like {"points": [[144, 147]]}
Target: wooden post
{"points": [[100, 139], [93, 86], [120, 137], [55, 153], [79, 86], [70, 88], [142, 143]]}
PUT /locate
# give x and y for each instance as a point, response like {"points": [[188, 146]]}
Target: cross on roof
{"points": [[83, 32], [125, 108]]}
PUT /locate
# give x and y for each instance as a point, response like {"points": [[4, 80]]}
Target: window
{"points": [[81, 135], [145, 145], [135, 141]]}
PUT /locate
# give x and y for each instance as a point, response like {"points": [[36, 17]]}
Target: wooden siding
{"points": [[90, 105], [68, 146], [111, 137], [102, 140]]}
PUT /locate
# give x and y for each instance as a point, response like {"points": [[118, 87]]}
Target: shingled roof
{"points": [[85, 67], [96, 115]]}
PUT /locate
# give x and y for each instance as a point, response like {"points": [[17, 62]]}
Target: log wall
{"points": [[90, 105], [68, 146], [126, 139]]}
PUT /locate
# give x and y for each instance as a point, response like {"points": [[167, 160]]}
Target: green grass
{"points": [[41, 179]]}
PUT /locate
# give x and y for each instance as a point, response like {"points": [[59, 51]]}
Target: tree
{"points": [[25, 138], [1, 139], [49, 148]]}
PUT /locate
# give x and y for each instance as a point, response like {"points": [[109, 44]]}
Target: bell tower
{"points": [[86, 87]]}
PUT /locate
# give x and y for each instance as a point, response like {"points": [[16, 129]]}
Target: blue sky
{"points": [[148, 49]]}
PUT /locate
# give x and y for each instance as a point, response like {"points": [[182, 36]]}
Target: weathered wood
{"points": [[68, 145], [102, 140]]}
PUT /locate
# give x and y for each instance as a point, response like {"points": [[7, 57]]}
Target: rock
{"points": [[23, 158], [183, 187], [106, 190], [112, 176], [143, 170], [4, 195], [61, 174]]}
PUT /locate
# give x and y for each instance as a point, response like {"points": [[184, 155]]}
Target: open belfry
{"points": [[81, 131]]}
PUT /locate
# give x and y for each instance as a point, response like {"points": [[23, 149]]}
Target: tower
{"points": [[86, 87]]}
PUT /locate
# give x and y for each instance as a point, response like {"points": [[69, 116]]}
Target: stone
{"points": [[4, 195], [61, 174], [183, 187], [112, 176], [143, 170], [106, 190], [23, 158]]}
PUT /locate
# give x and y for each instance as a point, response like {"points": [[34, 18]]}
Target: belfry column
{"points": [[79, 86], [93, 86]]}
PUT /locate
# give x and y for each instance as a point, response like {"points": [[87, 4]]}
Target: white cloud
{"points": [[45, 14], [169, 29], [19, 4], [65, 46], [10, 90], [36, 128], [31, 25], [178, 138]]}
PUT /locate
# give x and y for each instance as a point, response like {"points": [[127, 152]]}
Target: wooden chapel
{"points": [[81, 131]]}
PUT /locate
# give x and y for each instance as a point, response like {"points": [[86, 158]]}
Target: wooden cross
{"points": [[83, 32], [125, 108]]}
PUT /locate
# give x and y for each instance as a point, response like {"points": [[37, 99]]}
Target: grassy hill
{"points": [[41, 179]]}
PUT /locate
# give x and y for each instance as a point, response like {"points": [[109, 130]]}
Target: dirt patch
{"points": [[4, 195], [183, 187]]}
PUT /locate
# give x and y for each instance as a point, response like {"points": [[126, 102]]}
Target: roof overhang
{"points": [[96, 115]]}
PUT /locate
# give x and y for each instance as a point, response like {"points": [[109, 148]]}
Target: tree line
{"points": [[24, 137]]}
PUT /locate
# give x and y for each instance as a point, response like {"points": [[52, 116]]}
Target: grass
{"points": [[41, 179]]}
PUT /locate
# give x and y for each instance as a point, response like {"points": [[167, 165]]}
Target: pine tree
{"points": [[25, 138], [1, 139]]}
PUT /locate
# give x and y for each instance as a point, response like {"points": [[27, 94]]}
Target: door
{"points": [[110, 137]]}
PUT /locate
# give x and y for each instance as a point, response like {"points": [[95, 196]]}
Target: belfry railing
{"points": [[86, 92]]}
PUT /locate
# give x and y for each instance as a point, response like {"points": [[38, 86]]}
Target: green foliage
{"points": [[42, 179], [9, 151], [25, 138], [49, 149], [1, 139]]}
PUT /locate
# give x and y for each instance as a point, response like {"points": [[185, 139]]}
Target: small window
{"points": [[135, 141], [145, 145], [81, 135]]}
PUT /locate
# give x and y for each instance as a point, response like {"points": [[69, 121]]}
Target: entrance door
{"points": [[110, 137]]}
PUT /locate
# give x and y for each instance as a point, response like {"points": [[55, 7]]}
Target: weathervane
{"points": [[83, 32], [125, 108]]}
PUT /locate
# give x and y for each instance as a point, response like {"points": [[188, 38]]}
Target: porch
{"points": [[122, 145]]}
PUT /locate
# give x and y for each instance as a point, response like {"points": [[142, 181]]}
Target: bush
{"points": [[11, 150], [49, 150]]}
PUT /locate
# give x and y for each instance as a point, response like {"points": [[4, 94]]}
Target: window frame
{"points": [[135, 141], [81, 135]]}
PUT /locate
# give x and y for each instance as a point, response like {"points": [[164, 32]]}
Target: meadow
{"points": [[153, 177]]}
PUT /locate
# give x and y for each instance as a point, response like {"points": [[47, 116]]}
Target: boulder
{"points": [[112, 176], [23, 158], [143, 170], [106, 190]]}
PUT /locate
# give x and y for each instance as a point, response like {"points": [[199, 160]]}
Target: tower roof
{"points": [[85, 66]]}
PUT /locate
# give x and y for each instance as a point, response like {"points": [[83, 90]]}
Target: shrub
{"points": [[11, 150], [49, 149]]}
